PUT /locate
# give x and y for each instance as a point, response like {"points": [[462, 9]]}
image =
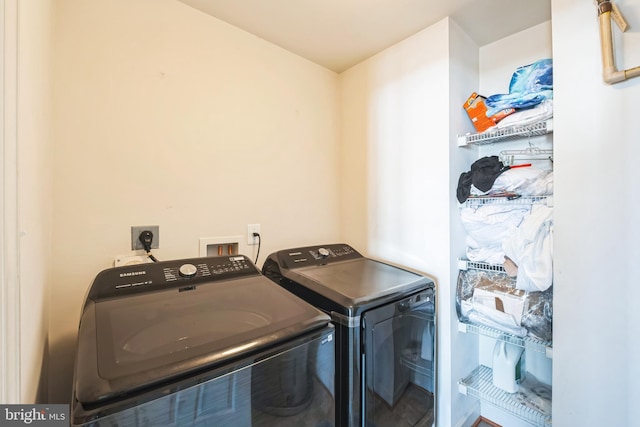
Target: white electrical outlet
{"points": [[253, 228]]}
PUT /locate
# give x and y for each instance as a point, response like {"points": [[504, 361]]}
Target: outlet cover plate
{"points": [[135, 234], [252, 228]]}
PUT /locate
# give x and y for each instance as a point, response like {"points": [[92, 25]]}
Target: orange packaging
{"points": [[477, 111]]}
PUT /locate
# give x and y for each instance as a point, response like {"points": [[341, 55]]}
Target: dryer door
{"points": [[398, 360]]}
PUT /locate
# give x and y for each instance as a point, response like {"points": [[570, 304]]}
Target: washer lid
{"points": [[144, 338]]}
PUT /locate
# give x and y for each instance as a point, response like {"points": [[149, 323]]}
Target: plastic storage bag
{"points": [[530, 85], [535, 320]]}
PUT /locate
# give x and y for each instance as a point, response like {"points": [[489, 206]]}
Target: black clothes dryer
{"points": [[201, 342], [385, 331]]}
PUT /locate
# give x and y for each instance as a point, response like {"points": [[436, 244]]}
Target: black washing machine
{"points": [[385, 331], [201, 342]]}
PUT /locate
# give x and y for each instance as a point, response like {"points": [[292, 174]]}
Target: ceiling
{"points": [[338, 34]]}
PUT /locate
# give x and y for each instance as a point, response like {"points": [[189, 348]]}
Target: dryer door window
{"points": [[398, 360]]}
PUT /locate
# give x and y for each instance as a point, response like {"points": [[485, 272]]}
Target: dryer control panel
{"points": [[316, 255], [121, 281]]}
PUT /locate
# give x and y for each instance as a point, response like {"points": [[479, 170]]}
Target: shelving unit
{"points": [[508, 133], [479, 383]]}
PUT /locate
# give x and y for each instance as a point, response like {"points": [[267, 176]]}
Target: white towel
{"points": [[530, 248]]}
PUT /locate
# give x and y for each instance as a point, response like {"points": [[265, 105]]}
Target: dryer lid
{"points": [[338, 279], [358, 284]]}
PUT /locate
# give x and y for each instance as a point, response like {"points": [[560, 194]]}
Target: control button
{"points": [[188, 270], [323, 252]]}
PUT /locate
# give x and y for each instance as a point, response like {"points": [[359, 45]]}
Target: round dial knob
{"points": [[323, 252], [188, 270]]}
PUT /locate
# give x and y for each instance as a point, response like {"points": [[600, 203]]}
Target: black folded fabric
{"points": [[464, 186], [482, 175]]}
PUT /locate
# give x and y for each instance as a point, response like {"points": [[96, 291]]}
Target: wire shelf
{"points": [[513, 200], [529, 343], [465, 264], [512, 132], [480, 384]]}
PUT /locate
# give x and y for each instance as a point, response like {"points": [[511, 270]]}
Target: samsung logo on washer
{"points": [[133, 273], [39, 415]]}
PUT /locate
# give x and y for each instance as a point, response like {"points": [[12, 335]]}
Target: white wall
{"points": [[394, 123], [596, 212], [395, 168], [461, 351], [500, 59], [167, 116]]}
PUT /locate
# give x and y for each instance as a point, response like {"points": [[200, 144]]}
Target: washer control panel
{"points": [[317, 255], [214, 267], [146, 277]]}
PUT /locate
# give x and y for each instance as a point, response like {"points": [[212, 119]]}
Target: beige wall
{"points": [[167, 116], [34, 142]]}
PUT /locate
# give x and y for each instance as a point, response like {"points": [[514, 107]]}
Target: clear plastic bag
{"points": [[534, 320], [535, 395]]}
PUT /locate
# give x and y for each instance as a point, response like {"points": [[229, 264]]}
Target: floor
{"points": [[413, 409]]}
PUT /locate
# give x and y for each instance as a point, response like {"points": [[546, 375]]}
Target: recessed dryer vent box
{"points": [[218, 246]]}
